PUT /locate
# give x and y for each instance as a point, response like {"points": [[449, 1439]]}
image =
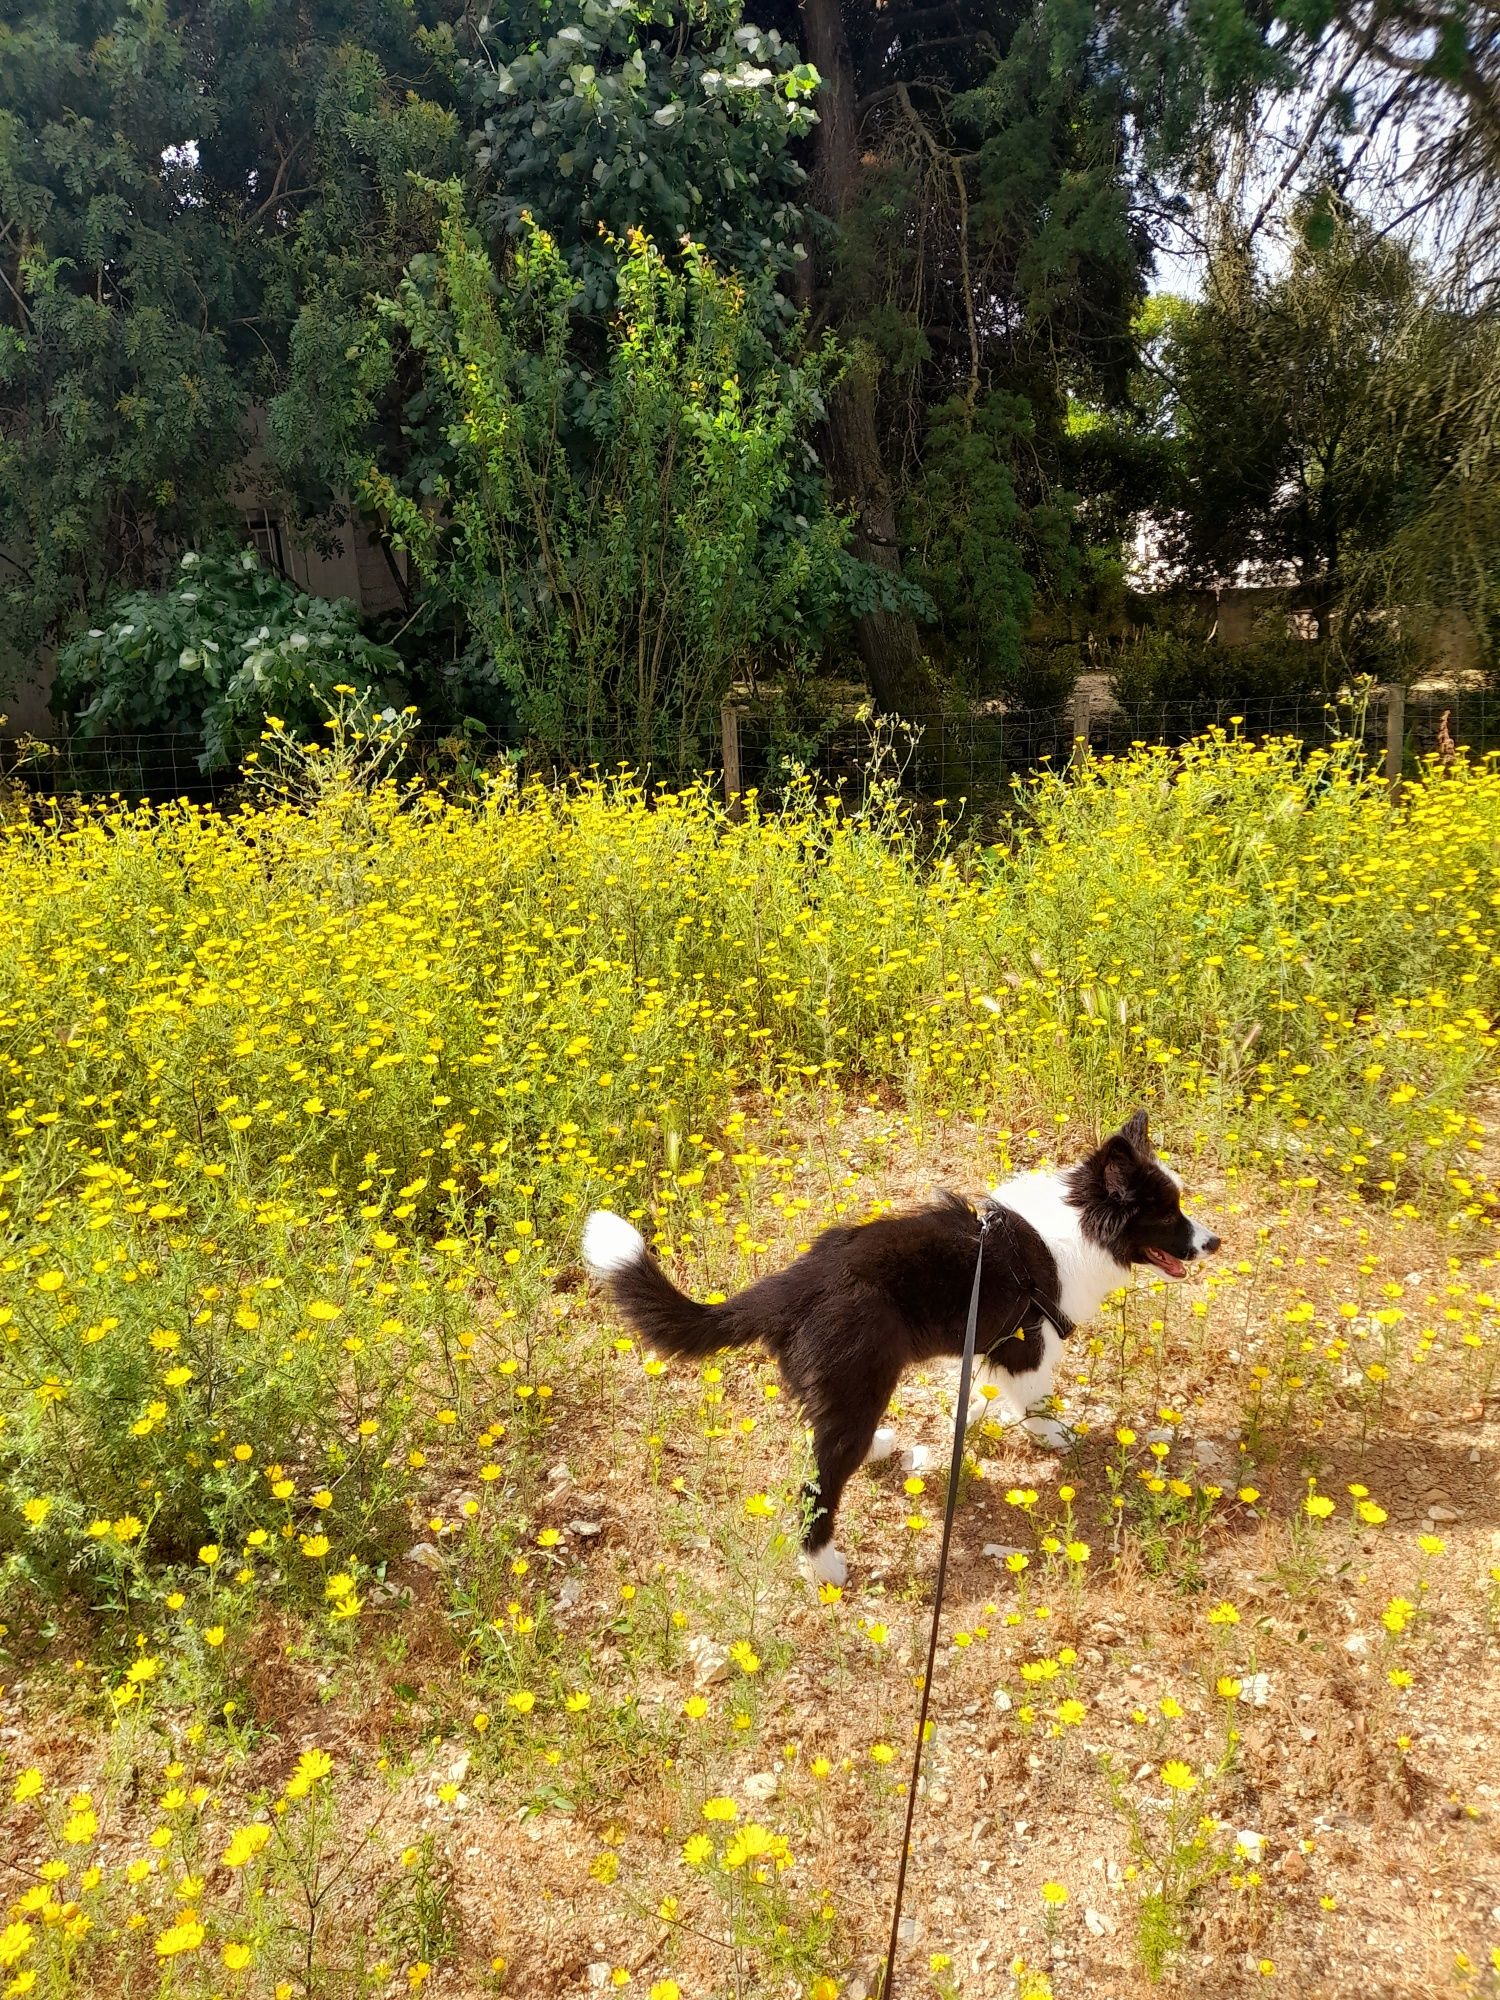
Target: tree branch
{"points": [[1309, 137], [941, 157]]}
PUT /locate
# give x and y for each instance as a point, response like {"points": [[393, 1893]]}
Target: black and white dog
{"points": [[865, 1303]]}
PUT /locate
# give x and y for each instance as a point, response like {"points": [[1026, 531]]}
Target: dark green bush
{"points": [[1159, 665], [224, 646]]}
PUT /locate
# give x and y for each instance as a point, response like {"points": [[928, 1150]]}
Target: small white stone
{"points": [[710, 1661], [1210, 1456]]}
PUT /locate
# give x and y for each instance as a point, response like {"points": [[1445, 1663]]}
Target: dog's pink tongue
{"points": [[1173, 1266]]}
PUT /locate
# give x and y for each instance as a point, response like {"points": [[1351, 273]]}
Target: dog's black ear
{"points": [[1116, 1163], [1136, 1132]]}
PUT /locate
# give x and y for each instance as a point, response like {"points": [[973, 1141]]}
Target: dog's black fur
{"points": [[865, 1303]]}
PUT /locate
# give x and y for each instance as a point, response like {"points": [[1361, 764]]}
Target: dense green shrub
{"points": [[227, 644], [1160, 665]]}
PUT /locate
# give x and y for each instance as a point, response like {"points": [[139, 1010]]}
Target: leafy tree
{"points": [[984, 269], [195, 202], [1333, 424], [1440, 406], [199, 198], [121, 402], [591, 122], [678, 121], [1392, 105], [621, 563]]}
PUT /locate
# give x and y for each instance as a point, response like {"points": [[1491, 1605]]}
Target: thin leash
{"points": [[987, 1214]]}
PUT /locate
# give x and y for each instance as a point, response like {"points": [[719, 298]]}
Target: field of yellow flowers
{"points": [[375, 1615]]}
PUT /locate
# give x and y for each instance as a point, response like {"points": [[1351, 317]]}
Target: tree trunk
{"points": [[888, 644]]}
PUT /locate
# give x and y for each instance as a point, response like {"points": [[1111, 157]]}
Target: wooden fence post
{"points": [[1079, 708], [1395, 739], [729, 726]]}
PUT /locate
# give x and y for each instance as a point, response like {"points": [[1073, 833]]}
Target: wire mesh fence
{"points": [[125, 766], [981, 753], [977, 754]]}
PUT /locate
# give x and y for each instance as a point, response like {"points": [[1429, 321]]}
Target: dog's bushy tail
{"points": [[665, 1318]]}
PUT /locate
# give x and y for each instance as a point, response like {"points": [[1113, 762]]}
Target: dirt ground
{"points": [[1356, 1817]]}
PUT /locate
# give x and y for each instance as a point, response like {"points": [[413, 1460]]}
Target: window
{"points": [[263, 532]]}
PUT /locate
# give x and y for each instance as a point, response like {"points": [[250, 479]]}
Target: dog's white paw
{"points": [[882, 1445], [990, 1410], [824, 1565], [1050, 1432], [916, 1459]]}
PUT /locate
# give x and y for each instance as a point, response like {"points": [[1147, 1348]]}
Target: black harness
{"points": [[991, 1212]]}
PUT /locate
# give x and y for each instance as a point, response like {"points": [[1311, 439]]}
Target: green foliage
{"points": [[989, 262], [623, 557], [1276, 381], [983, 550], [378, 141], [1049, 671], [1053, 194], [226, 645], [1438, 417], [1174, 663], [1336, 423], [119, 401], [677, 120], [194, 204], [199, 203]]}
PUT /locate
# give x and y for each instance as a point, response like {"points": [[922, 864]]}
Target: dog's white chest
{"points": [[1086, 1274]]}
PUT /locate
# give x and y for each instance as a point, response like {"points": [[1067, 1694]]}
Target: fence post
{"points": [[729, 727], [1079, 705], [1395, 739]]}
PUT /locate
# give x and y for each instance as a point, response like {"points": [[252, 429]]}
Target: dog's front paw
{"points": [[1050, 1432], [882, 1446], [824, 1565]]}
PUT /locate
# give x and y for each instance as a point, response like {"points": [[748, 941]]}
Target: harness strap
{"points": [[1062, 1326]]}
